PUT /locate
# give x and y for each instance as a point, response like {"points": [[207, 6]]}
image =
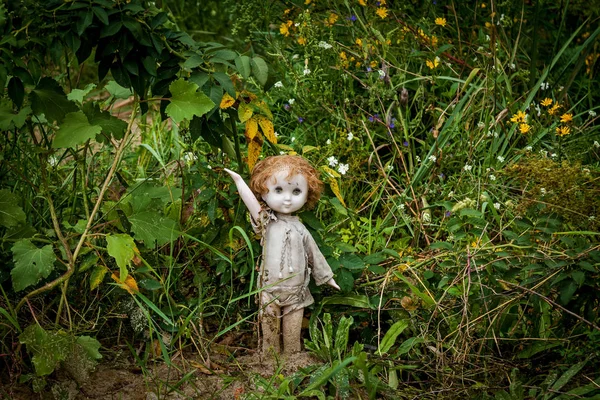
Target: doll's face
{"points": [[286, 194]]}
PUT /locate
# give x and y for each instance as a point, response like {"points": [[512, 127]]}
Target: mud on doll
{"points": [[284, 185]]}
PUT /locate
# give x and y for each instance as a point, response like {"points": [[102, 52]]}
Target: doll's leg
{"points": [[270, 329], [292, 326]]}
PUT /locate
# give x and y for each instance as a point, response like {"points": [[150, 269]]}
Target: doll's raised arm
{"points": [[246, 194]]}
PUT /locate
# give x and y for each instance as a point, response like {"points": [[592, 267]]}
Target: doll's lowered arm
{"points": [[246, 194]]}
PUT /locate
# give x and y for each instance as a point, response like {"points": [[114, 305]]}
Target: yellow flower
{"points": [[382, 2], [546, 102], [284, 30], [483, 5], [287, 11], [362, 2], [433, 40], [440, 21], [520, 116], [524, 128], [566, 118], [301, 41], [332, 19], [554, 109], [359, 41], [307, 2], [433, 64], [373, 64], [343, 56], [563, 130], [382, 12]]}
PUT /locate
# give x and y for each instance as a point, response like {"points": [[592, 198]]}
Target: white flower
{"points": [[343, 168], [592, 113], [487, 38], [543, 191], [481, 124], [538, 110], [295, 57], [381, 73], [189, 157], [544, 85], [437, 60], [492, 177], [497, 206], [418, 158], [390, 167], [553, 155], [528, 148], [293, 139], [490, 134], [291, 101], [332, 161], [592, 217], [278, 84], [500, 158], [596, 144], [324, 45], [495, 134], [328, 142], [209, 167], [450, 194], [53, 160], [350, 136], [432, 158], [306, 71], [480, 48], [401, 207], [282, 153], [512, 66], [468, 167], [544, 153], [297, 24], [276, 133]]}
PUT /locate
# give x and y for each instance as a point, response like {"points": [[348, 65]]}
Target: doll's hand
{"points": [[234, 175], [332, 283]]}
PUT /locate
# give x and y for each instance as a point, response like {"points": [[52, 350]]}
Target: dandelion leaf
{"points": [[31, 263]]}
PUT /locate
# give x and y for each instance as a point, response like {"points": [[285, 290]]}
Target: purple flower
{"points": [[286, 106], [371, 119], [352, 18], [441, 175], [405, 143], [369, 69], [448, 213], [392, 125], [300, 119]]}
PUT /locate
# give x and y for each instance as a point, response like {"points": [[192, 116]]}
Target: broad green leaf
{"points": [[242, 63], [74, 130], [390, 336], [351, 261], [79, 94], [122, 248], [260, 69], [244, 111], [117, 91], [187, 101], [225, 82], [90, 345], [150, 227], [47, 348], [48, 98], [6, 115], [31, 263], [11, 214], [353, 300], [110, 125]]}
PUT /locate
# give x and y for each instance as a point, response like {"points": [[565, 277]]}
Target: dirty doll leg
{"points": [[292, 325], [270, 326]]}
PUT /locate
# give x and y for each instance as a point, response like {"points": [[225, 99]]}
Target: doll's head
{"points": [[272, 169]]}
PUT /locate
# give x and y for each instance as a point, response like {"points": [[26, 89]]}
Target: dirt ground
{"points": [[189, 377]]}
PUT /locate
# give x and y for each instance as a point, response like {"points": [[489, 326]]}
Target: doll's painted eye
{"points": [[297, 192], [278, 189]]}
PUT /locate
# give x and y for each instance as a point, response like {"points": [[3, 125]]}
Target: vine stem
{"points": [[72, 258]]}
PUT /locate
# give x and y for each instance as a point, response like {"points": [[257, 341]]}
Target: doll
{"points": [[290, 254]]}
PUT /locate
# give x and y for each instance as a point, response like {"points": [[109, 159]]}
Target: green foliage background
{"points": [[458, 142]]}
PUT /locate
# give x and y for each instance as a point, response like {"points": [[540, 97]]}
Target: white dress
{"points": [[290, 256]]}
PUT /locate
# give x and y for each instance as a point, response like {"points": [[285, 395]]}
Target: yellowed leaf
{"points": [[336, 190], [254, 148], [332, 172], [267, 128], [246, 95], [408, 303], [285, 147], [245, 111], [227, 101], [307, 149], [97, 276], [130, 284], [251, 128], [263, 108], [201, 368]]}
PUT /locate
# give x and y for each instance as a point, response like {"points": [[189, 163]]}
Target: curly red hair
{"points": [[264, 170]]}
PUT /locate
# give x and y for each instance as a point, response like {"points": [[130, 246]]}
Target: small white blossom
{"points": [[538, 110], [592, 217], [295, 57], [500, 158], [306, 71], [432, 158], [544, 85], [560, 88], [495, 134], [276, 133], [209, 167], [381, 73], [350, 136], [490, 134], [324, 45], [497, 206], [488, 170], [553, 155], [544, 153], [401, 207], [418, 158], [528, 148], [390, 167], [596, 144], [189, 157], [512, 66], [332, 161], [492, 177], [480, 48], [343, 168], [328, 142], [278, 84], [450, 194], [592, 113], [291, 101], [487, 38], [468, 167], [297, 24], [282, 153], [53, 161], [543, 191], [481, 124]]}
